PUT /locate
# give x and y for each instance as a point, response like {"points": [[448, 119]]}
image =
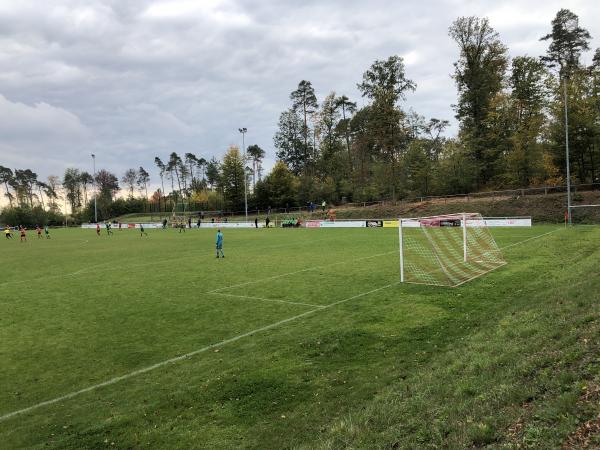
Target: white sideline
{"points": [[187, 355], [267, 299], [223, 342]]}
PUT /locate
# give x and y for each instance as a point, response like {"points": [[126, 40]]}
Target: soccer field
{"points": [[299, 338]]}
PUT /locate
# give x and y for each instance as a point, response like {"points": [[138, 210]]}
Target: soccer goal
{"points": [[585, 214], [446, 250]]}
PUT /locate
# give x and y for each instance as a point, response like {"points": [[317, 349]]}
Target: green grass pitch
{"points": [[297, 339]]}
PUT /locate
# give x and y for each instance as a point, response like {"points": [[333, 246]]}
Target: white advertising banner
{"points": [[487, 221], [508, 222], [500, 222], [124, 226], [343, 224], [227, 225], [410, 223]]}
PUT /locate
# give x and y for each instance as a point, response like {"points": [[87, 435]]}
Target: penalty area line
{"points": [[531, 238], [307, 269], [188, 355], [276, 300]]}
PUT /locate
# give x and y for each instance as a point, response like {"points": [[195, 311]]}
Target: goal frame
{"points": [[463, 216]]}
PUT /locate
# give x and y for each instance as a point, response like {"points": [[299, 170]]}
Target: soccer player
{"points": [[220, 243], [47, 231], [108, 230], [97, 229], [7, 232], [23, 233], [38, 231], [142, 231]]}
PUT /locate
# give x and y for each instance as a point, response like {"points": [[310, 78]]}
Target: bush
{"points": [[30, 217], [108, 209]]}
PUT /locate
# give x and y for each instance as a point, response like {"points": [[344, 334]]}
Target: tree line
{"points": [[511, 116], [194, 183]]}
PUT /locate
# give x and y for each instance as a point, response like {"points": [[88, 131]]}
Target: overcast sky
{"points": [[129, 80]]}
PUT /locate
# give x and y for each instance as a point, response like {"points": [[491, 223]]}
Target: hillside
{"points": [[543, 208], [548, 208]]}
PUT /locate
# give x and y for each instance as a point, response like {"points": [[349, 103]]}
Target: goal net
{"points": [[446, 250], [585, 214]]}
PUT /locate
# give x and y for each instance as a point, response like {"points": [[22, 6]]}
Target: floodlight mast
{"points": [[569, 217], [464, 219], [571, 25], [401, 244], [243, 131], [95, 191]]}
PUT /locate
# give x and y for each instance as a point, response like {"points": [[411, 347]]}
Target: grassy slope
{"points": [[502, 360], [525, 374], [543, 208]]}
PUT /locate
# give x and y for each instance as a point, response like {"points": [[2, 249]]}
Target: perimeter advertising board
{"points": [[227, 225], [343, 224]]}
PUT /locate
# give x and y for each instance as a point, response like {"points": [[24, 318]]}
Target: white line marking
{"points": [[267, 299], [479, 274], [187, 355], [129, 266], [211, 346], [531, 238], [246, 283]]}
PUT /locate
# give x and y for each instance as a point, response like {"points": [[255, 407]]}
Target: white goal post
{"points": [[446, 250]]}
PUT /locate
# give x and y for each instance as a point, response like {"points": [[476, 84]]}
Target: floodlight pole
{"points": [[243, 131], [95, 191], [464, 220], [401, 244], [569, 218]]}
